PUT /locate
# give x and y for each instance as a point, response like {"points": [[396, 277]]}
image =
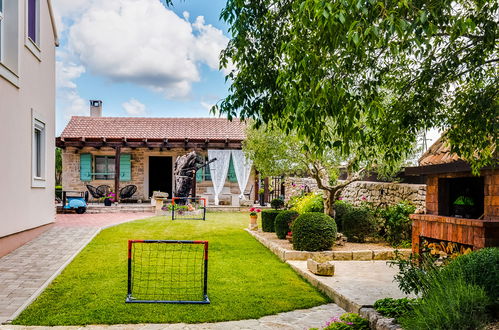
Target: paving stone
{"points": [[362, 255], [342, 255]]}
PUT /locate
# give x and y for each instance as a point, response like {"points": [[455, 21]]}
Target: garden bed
{"points": [[350, 251]]}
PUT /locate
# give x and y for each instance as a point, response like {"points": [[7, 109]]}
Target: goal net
{"points": [[165, 271]]}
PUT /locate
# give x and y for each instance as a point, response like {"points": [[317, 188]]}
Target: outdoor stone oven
{"points": [[461, 208]]}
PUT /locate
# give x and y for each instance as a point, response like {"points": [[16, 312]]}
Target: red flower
{"points": [[252, 209]]}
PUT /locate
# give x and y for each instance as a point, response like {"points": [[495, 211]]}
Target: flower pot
{"points": [[107, 202], [253, 219]]}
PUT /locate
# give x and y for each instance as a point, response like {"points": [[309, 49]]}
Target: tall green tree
{"points": [[275, 152], [398, 67]]}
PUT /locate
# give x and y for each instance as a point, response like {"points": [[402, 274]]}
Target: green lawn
{"points": [[245, 279]]}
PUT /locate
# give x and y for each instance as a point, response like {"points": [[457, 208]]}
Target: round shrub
{"points": [[277, 203], [358, 223], [313, 231], [268, 218], [283, 222], [478, 268]]}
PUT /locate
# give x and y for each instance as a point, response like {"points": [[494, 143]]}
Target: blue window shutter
{"points": [[232, 172], [199, 175], [85, 167], [125, 168]]}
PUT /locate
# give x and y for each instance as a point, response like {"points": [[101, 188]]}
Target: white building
{"points": [[28, 39]]}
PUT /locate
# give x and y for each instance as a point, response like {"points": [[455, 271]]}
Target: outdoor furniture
{"points": [[127, 191], [94, 192], [104, 189]]}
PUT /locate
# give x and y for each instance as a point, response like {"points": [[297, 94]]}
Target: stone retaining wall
{"points": [[377, 193]]}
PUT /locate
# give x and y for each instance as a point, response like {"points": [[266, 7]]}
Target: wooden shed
{"points": [[462, 210]]}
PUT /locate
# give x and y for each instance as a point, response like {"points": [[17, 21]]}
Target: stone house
{"points": [[143, 151], [449, 179], [28, 38]]}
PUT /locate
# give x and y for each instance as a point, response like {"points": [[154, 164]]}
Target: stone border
{"points": [[378, 321], [359, 255]]}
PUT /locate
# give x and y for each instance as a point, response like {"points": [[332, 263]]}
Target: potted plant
{"points": [[254, 217], [109, 199], [463, 207]]}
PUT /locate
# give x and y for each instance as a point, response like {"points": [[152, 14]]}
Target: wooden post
{"points": [[257, 187], [266, 189], [117, 173]]}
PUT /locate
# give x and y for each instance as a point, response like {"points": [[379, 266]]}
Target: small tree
{"points": [[58, 166], [275, 153]]}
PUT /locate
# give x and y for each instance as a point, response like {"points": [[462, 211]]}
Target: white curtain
{"points": [[218, 170], [242, 167]]}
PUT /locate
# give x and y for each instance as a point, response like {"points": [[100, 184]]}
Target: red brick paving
{"points": [[97, 220]]}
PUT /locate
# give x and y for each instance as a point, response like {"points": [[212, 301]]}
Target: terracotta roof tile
{"points": [[154, 128], [438, 153]]}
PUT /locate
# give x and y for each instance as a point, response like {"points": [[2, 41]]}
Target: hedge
{"points": [[283, 222], [313, 231], [268, 219]]}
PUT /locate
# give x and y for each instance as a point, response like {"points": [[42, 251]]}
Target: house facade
{"points": [[28, 39], [143, 151]]}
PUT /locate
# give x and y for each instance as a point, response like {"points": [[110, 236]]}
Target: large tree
{"points": [[399, 67], [274, 152]]}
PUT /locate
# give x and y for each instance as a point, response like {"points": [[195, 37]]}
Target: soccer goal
{"points": [[165, 271], [188, 208]]}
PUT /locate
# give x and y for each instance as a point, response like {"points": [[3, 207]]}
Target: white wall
{"points": [[22, 206]]}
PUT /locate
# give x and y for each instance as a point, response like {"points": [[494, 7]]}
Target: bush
{"points": [[348, 321], [283, 221], [313, 231], [268, 218], [341, 208], [449, 304], [479, 268], [309, 203], [277, 203], [398, 225], [395, 307], [358, 223]]}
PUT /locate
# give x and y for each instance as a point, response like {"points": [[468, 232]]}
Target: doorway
{"points": [[160, 174]]}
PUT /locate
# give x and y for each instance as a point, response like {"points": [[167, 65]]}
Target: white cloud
{"points": [[65, 73], [134, 108], [69, 102], [142, 42]]}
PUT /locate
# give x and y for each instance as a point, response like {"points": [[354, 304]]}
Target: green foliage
{"points": [[357, 223], [462, 200], [283, 222], [395, 307], [268, 220], [450, 304], [479, 268], [91, 288], [348, 321], [416, 273], [313, 231], [277, 203], [58, 166], [312, 202], [397, 224], [341, 209], [372, 73]]}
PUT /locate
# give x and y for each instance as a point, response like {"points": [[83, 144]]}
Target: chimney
{"points": [[95, 108]]}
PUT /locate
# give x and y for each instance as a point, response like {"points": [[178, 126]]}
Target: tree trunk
{"points": [[328, 203]]}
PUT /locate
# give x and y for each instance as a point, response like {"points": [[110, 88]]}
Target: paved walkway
{"points": [[26, 271], [296, 320]]}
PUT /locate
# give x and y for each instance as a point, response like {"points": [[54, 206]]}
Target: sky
{"points": [[139, 57]]}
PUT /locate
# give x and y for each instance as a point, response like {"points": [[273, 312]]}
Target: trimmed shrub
{"points": [[309, 203], [358, 223], [313, 231], [398, 225], [277, 203], [479, 268], [450, 304], [268, 218], [341, 208], [283, 222]]}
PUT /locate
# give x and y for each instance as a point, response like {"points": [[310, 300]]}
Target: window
{"points": [[33, 21], [38, 153], [104, 167], [9, 41]]}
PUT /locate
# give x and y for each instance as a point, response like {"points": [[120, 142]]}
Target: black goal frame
{"points": [[130, 299]]}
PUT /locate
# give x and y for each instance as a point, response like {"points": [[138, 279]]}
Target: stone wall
{"points": [[139, 175], [377, 193]]}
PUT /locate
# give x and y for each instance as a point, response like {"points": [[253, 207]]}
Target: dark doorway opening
{"points": [[160, 174], [455, 191]]}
